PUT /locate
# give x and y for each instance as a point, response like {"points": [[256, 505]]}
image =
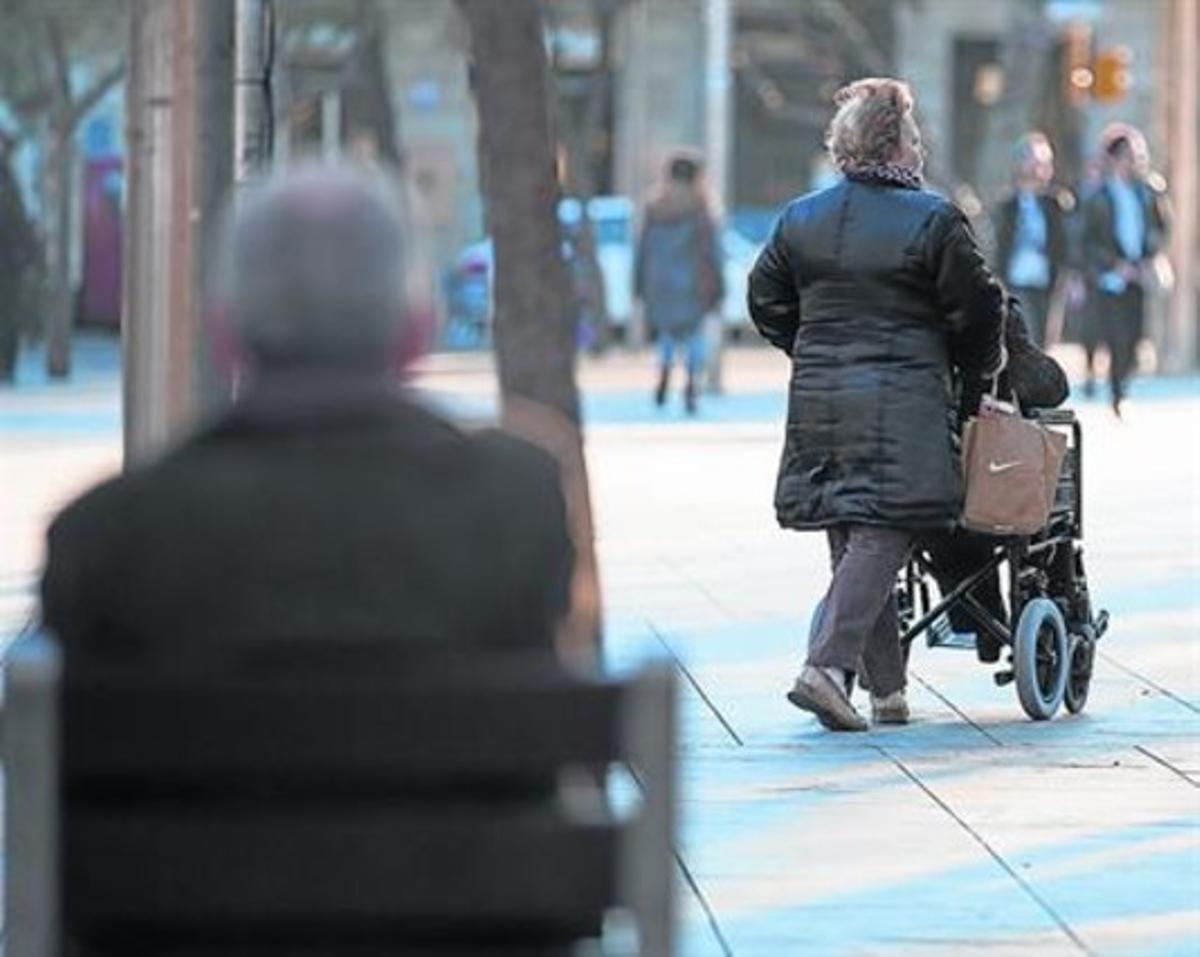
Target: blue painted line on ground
{"points": [[608, 409], [1144, 387], [976, 903], [1170, 595], [951, 906], [95, 357], [737, 642], [61, 422]]}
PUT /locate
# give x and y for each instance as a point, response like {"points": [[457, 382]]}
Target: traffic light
{"points": [[1077, 75], [1111, 71]]}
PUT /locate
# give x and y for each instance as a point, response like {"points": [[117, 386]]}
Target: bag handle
{"points": [[991, 403], [1011, 400]]}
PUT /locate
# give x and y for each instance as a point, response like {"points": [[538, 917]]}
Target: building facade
{"points": [[750, 82]]}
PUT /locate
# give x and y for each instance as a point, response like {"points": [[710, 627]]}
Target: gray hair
{"points": [[312, 269], [873, 122], [1033, 145]]}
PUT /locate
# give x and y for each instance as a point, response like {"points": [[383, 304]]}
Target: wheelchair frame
{"points": [[1052, 640]]}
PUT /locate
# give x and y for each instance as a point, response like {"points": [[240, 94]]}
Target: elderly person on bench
{"points": [[327, 505]]}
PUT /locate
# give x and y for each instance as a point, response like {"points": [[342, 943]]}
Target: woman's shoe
{"points": [[817, 692], [890, 709]]}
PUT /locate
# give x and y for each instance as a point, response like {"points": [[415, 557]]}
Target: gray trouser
{"points": [[860, 619]]}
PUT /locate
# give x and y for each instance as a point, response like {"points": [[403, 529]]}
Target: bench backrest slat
{"points": [[390, 804], [355, 729]]}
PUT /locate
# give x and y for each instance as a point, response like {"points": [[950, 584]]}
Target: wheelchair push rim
{"points": [[1041, 658]]}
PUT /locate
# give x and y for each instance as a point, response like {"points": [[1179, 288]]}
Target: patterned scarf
{"points": [[888, 174]]}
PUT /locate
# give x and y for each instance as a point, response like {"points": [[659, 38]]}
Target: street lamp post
{"points": [[253, 51], [146, 324], [179, 96], [1184, 19], [716, 98]]}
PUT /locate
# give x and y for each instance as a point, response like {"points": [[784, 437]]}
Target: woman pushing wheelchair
{"points": [[877, 291]]}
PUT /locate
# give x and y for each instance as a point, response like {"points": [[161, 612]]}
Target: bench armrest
{"points": [[648, 862], [32, 672]]}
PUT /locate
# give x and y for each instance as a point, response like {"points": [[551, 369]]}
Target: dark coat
{"points": [[1055, 207], [874, 291], [1036, 379], [365, 520], [1101, 250], [677, 271]]}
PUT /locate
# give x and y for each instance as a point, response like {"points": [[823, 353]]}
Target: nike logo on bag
{"points": [[995, 468]]}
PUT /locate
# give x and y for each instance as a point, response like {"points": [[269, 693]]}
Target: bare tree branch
{"points": [[60, 58], [94, 93], [855, 34]]}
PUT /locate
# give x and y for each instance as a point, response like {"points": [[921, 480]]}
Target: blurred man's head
{"points": [[1034, 161], [683, 169], [313, 272], [1124, 151], [875, 125], [1121, 158]]}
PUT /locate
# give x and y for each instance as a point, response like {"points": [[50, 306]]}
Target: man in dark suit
{"points": [[1125, 229], [1031, 238], [326, 505]]}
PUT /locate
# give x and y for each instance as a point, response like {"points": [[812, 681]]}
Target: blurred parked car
{"points": [[469, 282]]}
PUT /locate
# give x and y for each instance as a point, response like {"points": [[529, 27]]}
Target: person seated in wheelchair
{"points": [[1037, 382]]}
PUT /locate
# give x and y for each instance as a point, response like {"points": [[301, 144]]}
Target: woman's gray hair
{"points": [[312, 268], [873, 122]]}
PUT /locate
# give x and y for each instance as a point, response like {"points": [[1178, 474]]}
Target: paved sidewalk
{"points": [[56, 439], [972, 829]]}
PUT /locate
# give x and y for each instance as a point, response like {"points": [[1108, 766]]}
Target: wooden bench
{"points": [[343, 804]]}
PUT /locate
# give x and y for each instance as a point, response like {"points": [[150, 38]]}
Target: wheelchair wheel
{"points": [[1041, 658], [1079, 674]]}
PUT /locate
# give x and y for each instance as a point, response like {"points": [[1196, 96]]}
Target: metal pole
{"points": [[635, 120], [213, 152], [717, 31], [181, 317], [251, 127], [144, 324], [172, 196], [1184, 20]]}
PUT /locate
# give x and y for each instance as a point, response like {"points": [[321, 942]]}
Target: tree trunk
{"points": [[534, 336], [58, 331], [67, 114], [213, 159], [366, 101], [62, 306], [251, 132]]}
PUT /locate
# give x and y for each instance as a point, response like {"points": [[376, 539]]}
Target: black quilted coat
{"points": [[877, 292]]}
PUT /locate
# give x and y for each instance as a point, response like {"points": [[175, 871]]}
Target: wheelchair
{"points": [[1052, 645]]}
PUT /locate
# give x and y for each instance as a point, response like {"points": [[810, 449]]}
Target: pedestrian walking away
{"points": [[878, 293], [1125, 232], [1031, 240], [677, 274]]}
